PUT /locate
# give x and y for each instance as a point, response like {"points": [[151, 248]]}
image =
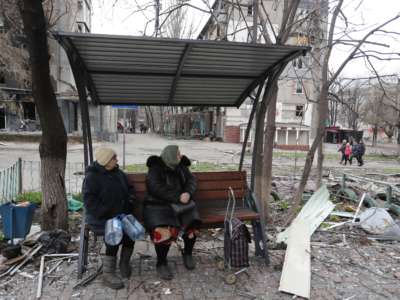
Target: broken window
{"points": [[2, 78], [29, 110], [299, 110], [299, 88], [2, 117], [250, 10]]}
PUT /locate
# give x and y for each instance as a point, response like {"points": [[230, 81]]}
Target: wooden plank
{"points": [[296, 272], [217, 216], [223, 175], [221, 185], [217, 195], [209, 176]]}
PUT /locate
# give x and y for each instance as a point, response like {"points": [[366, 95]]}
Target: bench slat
{"points": [[218, 176], [217, 216], [217, 195]]}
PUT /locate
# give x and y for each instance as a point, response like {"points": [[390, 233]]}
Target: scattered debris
{"points": [[55, 241], [343, 214], [296, 273], [313, 213], [88, 279], [11, 251], [379, 222], [29, 255]]}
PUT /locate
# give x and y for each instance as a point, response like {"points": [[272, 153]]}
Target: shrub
{"points": [[33, 197]]}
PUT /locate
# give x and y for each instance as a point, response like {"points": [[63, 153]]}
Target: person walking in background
{"points": [[341, 150], [347, 153], [362, 152]]}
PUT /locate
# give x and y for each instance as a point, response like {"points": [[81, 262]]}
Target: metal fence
{"points": [[24, 176], [10, 182], [74, 174]]}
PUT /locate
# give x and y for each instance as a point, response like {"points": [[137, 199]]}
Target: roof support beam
{"points": [[182, 61], [78, 64], [169, 74]]}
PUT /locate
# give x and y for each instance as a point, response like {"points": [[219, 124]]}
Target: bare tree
{"points": [[53, 144], [326, 83]]}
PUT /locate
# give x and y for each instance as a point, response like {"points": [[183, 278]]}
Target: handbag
{"points": [[180, 208]]}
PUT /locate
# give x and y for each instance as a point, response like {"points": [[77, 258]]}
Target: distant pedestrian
{"points": [[341, 150], [362, 152], [347, 153]]}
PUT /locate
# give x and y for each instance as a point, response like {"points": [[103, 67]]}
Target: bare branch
{"points": [[361, 42]]}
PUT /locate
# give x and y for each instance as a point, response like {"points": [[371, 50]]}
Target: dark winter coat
{"points": [[164, 186], [357, 150], [106, 194], [342, 148], [362, 149]]}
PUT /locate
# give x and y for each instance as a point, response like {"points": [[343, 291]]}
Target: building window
{"points": [[298, 63], [299, 88], [2, 78], [299, 110], [250, 10], [29, 110]]}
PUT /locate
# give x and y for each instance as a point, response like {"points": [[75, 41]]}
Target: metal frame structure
{"points": [[239, 69]]}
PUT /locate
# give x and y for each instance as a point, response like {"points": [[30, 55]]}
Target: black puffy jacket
{"points": [[106, 194], [164, 186]]}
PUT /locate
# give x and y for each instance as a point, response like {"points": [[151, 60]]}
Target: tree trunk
{"points": [[266, 185], [53, 143], [398, 137], [320, 163], [323, 112], [161, 120], [374, 135], [258, 148]]}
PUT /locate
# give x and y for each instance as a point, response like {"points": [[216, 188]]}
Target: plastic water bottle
{"points": [[132, 227], [113, 232]]}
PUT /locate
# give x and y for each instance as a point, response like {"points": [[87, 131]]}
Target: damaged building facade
{"points": [[17, 109]]}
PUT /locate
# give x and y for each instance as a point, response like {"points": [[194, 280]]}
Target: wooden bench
{"points": [[211, 198]]}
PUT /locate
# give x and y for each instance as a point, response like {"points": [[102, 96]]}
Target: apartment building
{"points": [[294, 112]]}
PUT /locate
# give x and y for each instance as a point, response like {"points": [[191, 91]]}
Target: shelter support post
{"points": [[248, 128], [182, 61], [87, 148], [88, 156]]}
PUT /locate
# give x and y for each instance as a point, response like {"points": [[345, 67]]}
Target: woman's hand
{"points": [[185, 197]]}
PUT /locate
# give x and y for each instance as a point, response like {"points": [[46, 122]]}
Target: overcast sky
{"points": [[122, 19]]}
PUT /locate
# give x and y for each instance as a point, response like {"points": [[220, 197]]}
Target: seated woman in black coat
{"points": [[170, 184], [106, 194]]}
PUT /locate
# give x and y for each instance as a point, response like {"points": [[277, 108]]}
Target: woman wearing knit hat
{"points": [[106, 194], [169, 207]]}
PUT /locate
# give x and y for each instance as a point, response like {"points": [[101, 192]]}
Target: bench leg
{"points": [[260, 241], [83, 250]]}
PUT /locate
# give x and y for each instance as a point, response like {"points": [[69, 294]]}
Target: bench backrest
{"points": [[212, 188]]}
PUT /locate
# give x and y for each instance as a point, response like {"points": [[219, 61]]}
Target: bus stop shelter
{"points": [[123, 70]]}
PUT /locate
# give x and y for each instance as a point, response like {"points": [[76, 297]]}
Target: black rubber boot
{"points": [[125, 262], [110, 278], [163, 269], [188, 260]]}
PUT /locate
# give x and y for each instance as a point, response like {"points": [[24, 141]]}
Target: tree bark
{"points": [[323, 112], [53, 143], [266, 185], [374, 135]]}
